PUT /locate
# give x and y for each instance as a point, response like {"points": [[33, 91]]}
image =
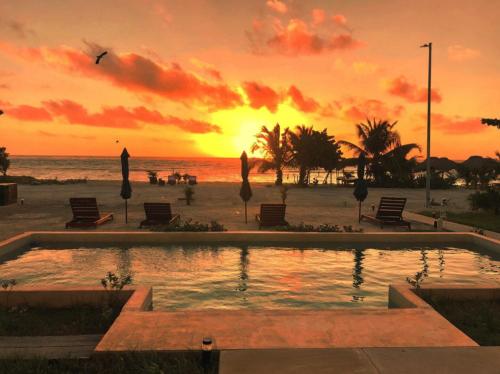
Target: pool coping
{"points": [[21, 241]]}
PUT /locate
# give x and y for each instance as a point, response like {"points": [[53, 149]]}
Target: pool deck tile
{"points": [[450, 360], [296, 361], [272, 329]]}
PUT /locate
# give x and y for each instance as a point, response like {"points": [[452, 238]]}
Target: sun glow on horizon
{"points": [[240, 125]]}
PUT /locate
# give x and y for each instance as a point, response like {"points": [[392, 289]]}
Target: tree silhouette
{"points": [[4, 161], [381, 143], [312, 149], [275, 148], [491, 122]]}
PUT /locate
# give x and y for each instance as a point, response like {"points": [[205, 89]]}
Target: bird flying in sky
{"points": [[99, 57]]}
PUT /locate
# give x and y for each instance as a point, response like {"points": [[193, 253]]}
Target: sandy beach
{"points": [[46, 207]]}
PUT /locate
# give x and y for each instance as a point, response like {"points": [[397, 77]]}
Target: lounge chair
{"points": [[86, 213], [172, 180], [271, 215], [192, 180], [390, 212], [158, 214]]}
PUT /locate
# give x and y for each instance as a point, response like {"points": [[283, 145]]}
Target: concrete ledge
{"points": [[15, 244], [460, 292], [402, 296], [57, 297], [22, 241], [141, 300]]}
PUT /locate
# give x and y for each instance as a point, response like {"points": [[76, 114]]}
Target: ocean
{"points": [[108, 168]]}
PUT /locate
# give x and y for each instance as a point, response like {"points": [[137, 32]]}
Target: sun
{"points": [[239, 127]]}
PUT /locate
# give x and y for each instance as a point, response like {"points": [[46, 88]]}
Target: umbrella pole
{"points": [[359, 213], [246, 221], [126, 211]]}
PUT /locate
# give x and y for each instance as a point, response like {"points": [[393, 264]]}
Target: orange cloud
{"points": [[459, 53], [115, 117], [304, 104], [135, 73], [277, 5], [318, 16], [357, 109], [297, 38], [209, 69], [260, 96], [401, 87], [339, 19], [455, 124], [120, 117], [28, 113]]}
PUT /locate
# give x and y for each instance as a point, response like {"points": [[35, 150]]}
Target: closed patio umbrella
{"points": [[361, 187], [126, 191], [245, 191]]}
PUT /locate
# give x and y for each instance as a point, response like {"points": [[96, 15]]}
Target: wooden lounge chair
{"points": [[158, 214], [172, 180], [271, 215], [86, 213], [390, 212]]}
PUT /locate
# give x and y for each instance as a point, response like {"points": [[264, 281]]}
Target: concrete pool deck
{"points": [[272, 329], [447, 360]]}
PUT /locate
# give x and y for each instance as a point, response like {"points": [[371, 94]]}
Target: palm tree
{"points": [[4, 160], [275, 148], [312, 149], [302, 144], [382, 145]]}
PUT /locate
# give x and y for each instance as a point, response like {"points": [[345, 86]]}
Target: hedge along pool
{"points": [[256, 276]]}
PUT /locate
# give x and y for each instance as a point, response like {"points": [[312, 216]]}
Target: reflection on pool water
{"points": [[235, 277]]}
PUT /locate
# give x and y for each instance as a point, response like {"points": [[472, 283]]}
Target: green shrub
{"points": [[4, 161], [190, 226], [437, 182], [488, 200], [325, 227]]}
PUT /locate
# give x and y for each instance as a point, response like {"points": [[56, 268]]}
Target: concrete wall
{"points": [[403, 296], [64, 297]]}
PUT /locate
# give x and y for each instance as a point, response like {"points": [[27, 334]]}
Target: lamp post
{"points": [[428, 170]]}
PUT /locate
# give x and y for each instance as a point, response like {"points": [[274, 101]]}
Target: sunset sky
{"points": [[200, 77]]}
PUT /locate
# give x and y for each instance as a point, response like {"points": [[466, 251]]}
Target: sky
{"points": [[198, 78]]}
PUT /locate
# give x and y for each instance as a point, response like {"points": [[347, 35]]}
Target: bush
{"points": [[325, 227], [488, 200], [437, 182], [4, 161], [191, 226]]}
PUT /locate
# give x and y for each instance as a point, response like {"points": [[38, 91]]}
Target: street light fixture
{"points": [[428, 170]]}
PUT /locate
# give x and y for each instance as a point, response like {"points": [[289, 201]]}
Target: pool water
{"points": [[270, 277]]}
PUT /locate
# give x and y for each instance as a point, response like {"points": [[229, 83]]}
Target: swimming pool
{"points": [[228, 276]]}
